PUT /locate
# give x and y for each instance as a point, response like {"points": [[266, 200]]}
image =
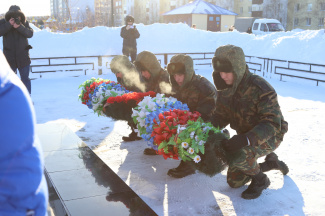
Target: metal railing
{"points": [[266, 67]]}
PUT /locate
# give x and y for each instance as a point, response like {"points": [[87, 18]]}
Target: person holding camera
{"points": [[15, 30], [130, 33]]}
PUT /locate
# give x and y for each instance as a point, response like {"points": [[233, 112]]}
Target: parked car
{"points": [[265, 26]]}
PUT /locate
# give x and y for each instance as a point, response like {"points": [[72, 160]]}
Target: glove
{"points": [[235, 143]]}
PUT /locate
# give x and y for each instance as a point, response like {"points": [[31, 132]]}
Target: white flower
{"points": [[192, 134], [159, 96], [197, 159], [135, 113], [190, 150], [201, 142], [196, 138], [152, 106], [185, 145], [180, 128], [142, 122], [142, 114], [172, 99]]}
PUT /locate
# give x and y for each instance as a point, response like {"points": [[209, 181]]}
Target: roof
{"points": [[200, 7]]}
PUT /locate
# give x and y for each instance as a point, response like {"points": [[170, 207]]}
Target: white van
{"points": [[265, 26]]}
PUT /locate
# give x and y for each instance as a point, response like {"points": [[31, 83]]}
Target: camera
{"points": [[17, 21]]}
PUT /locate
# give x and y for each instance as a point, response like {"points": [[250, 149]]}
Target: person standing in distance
{"points": [[15, 30], [130, 33]]}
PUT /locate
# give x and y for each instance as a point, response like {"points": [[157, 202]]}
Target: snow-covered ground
{"points": [[301, 192]]}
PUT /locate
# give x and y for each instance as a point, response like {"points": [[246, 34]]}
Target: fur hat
{"points": [[129, 18], [14, 12]]}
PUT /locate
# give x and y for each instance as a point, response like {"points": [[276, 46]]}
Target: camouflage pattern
{"points": [[250, 106], [159, 76], [130, 76], [196, 91], [245, 163]]}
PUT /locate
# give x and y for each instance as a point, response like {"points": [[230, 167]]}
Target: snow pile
{"points": [[305, 46]]}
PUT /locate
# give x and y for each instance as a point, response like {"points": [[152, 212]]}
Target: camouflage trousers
{"points": [[244, 163]]}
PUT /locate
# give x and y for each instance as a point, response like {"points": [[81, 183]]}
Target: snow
{"points": [[302, 46], [301, 192]]}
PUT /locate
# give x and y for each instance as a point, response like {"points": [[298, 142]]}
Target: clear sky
{"points": [[28, 7]]}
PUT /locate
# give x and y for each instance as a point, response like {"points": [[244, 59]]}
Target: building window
{"points": [[308, 21], [210, 18], [321, 22], [297, 7], [249, 9], [241, 10], [322, 6], [217, 18], [309, 7], [296, 22]]}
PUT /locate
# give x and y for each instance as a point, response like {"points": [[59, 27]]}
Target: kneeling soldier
{"points": [[249, 104], [194, 90]]}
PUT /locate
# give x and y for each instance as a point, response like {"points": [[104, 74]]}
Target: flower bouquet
{"points": [[95, 92], [148, 110], [201, 142], [120, 107], [165, 131]]}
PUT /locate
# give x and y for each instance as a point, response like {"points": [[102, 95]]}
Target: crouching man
{"points": [[194, 90], [249, 104], [128, 76]]}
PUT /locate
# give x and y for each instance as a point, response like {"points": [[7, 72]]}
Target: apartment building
{"points": [[306, 14], [244, 7], [59, 10], [103, 13]]}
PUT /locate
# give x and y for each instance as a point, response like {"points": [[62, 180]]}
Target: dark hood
{"points": [[181, 64], [14, 12], [233, 58], [147, 60]]}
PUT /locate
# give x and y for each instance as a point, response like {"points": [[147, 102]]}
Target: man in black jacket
{"points": [[130, 33], [15, 30]]}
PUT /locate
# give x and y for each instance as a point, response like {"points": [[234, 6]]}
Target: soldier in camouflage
{"points": [[194, 90], [127, 75], [155, 78], [249, 104]]}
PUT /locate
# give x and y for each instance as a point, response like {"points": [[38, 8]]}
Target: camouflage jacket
{"points": [[159, 79], [196, 91], [250, 105]]}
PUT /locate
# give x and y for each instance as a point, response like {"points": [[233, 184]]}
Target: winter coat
{"points": [[159, 80], [22, 183], [15, 42], [196, 91], [130, 76], [130, 36], [250, 105]]}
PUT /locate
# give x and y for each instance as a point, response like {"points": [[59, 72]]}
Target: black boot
{"points": [[149, 151], [183, 169], [259, 182], [132, 137], [273, 163]]}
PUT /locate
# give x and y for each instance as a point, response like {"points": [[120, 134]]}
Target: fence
{"points": [[266, 67]]}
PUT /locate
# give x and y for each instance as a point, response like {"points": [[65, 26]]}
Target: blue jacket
{"points": [[22, 183]]}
